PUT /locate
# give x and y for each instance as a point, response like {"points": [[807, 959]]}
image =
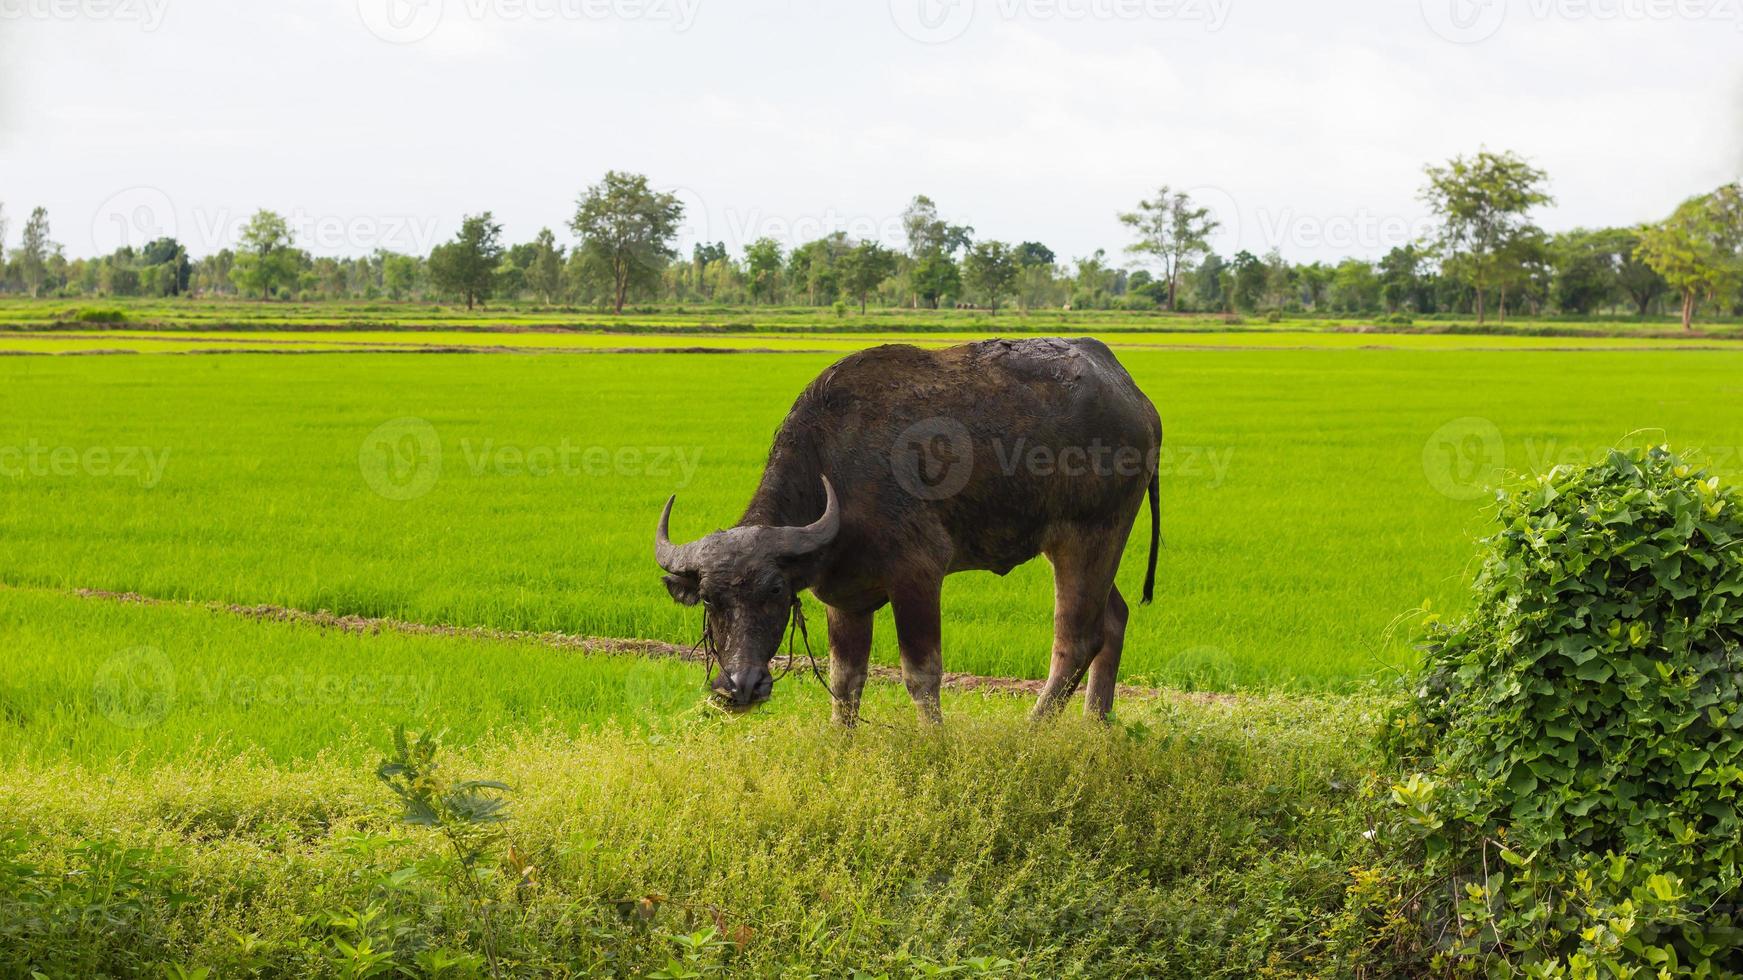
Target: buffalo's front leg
{"points": [[850, 637], [919, 633]]}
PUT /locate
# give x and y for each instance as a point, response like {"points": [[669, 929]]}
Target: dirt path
{"points": [[367, 625]]}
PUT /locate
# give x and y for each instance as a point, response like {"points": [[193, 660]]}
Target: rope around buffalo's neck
{"points": [[796, 631]]}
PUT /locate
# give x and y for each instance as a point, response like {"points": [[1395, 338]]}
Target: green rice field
{"points": [[187, 749], [1310, 498]]}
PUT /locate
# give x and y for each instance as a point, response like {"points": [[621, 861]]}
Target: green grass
{"points": [[1203, 838], [1299, 516], [102, 682], [189, 788]]}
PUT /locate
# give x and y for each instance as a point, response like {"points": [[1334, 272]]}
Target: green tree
{"points": [[1354, 287], [813, 264], [991, 268], [265, 258], [399, 275], [510, 278], [863, 269], [469, 264], [933, 244], [625, 230], [1484, 204], [34, 249], [1031, 254], [929, 234], [762, 261], [1280, 281], [168, 254], [1173, 232], [703, 255], [1094, 281], [212, 274], [1249, 280], [1697, 249], [1316, 280], [1587, 274], [934, 277], [1400, 276], [1207, 283], [1639, 280], [545, 270]]}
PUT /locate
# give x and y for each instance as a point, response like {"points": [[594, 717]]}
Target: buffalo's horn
{"points": [[669, 556], [795, 541]]}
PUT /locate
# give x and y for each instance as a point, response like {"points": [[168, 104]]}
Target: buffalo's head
{"points": [[745, 578]]}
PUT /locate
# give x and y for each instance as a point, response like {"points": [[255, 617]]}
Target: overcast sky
{"points": [[378, 123]]}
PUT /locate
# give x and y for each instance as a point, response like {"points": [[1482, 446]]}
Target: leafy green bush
{"points": [[1583, 726]]}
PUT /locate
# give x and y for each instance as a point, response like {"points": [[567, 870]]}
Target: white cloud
{"points": [[1311, 123]]}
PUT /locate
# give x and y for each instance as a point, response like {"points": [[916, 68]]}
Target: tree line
{"points": [[1486, 257]]}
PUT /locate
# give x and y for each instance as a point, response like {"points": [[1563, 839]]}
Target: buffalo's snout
{"points": [[745, 687]]}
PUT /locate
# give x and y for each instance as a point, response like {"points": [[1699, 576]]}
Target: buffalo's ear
{"points": [[686, 589]]}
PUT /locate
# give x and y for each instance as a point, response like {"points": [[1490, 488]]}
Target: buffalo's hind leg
{"points": [[919, 633], [1104, 670], [1084, 564], [850, 638]]}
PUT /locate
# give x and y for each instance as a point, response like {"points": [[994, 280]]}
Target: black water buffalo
{"points": [[899, 466]]}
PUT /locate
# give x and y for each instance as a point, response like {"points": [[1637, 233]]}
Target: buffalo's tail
{"points": [[1155, 536]]}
